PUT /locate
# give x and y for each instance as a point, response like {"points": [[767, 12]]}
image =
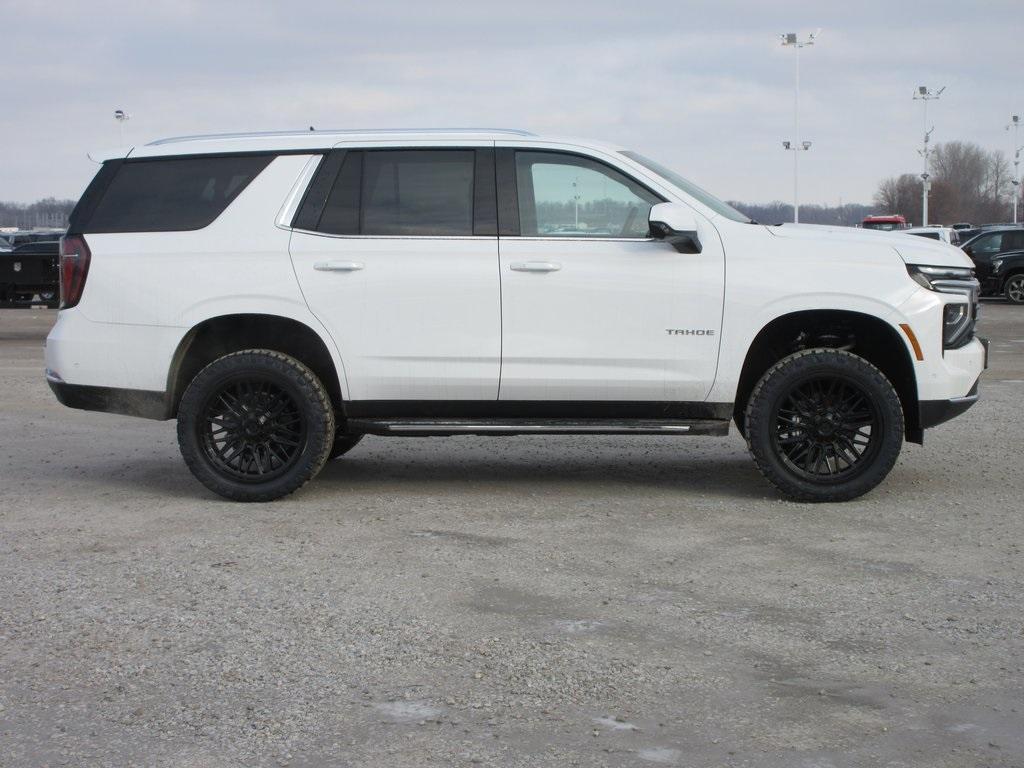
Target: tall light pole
{"points": [[796, 145], [924, 94], [796, 149], [121, 116], [1015, 181]]}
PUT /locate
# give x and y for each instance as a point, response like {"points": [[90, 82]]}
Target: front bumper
{"points": [[935, 412], [989, 286]]}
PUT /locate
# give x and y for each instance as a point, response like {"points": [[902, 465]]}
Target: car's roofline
{"points": [[320, 140]]}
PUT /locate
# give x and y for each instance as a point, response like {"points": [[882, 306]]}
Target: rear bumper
{"points": [[129, 402]]}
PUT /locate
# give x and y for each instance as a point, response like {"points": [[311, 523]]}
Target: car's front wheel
{"points": [[1014, 289], [824, 425], [255, 425]]}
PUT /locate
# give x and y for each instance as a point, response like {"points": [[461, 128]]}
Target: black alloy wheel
{"points": [[824, 425], [1014, 289], [255, 425], [251, 429]]}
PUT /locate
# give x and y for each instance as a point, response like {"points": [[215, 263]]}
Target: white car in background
{"points": [[942, 234], [282, 295]]}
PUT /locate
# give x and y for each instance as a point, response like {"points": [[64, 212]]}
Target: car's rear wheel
{"points": [[1014, 289], [824, 425], [255, 425]]}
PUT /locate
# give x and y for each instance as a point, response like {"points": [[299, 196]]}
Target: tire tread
{"points": [[757, 414], [320, 436]]}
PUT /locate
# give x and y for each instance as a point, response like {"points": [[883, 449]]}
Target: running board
{"points": [[439, 427]]}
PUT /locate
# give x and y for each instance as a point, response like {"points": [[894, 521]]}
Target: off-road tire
{"points": [[308, 401], [763, 424]]}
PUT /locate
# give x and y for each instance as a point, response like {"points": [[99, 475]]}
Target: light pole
{"points": [[796, 149], [121, 116], [1015, 181], [925, 95], [797, 146]]}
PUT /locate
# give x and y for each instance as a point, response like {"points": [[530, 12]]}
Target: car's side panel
{"points": [[849, 275], [615, 319], [618, 320], [146, 290], [415, 318]]}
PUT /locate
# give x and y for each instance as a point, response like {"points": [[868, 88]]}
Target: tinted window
{"points": [[417, 192], [172, 194], [570, 196], [929, 235], [988, 245], [341, 212], [1013, 241]]}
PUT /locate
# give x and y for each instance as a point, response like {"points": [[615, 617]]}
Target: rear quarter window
{"points": [[170, 194]]}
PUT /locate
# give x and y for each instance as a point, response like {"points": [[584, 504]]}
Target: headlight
{"points": [[957, 325], [958, 318], [944, 279]]}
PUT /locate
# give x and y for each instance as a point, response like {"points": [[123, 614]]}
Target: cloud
{"points": [[704, 86]]}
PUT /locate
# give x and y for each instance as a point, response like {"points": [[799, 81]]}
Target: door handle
{"points": [[535, 266], [337, 266]]}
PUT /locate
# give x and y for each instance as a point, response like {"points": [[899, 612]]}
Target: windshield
{"points": [[689, 188], [888, 226]]}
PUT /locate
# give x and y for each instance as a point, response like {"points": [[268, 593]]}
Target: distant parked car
{"points": [[967, 234], [942, 234], [28, 271], [23, 236], [998, 257], [887, 223]]}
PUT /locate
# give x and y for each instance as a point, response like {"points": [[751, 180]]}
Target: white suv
{"points": [[284, 294]]}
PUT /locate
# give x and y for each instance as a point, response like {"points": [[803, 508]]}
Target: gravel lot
{"points": [[517, 601]]}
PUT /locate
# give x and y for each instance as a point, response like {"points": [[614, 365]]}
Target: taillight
{"points": [[74, 267]]}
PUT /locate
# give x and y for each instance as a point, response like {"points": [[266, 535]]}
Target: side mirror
{"points": [[676, 225], [969, 250]]}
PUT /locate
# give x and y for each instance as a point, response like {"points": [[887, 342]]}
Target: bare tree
{"points": [[900, 195], [969, 183]]}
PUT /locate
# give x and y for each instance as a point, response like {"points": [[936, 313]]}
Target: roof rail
{"points": [[338, 132]]}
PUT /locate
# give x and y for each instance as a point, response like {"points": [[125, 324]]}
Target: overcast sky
{"points": [[703, 87]]}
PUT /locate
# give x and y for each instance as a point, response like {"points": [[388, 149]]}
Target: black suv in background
{"points": [[28, 271], [998, 256]]}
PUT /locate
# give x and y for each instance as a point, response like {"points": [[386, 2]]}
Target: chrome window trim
{"points": [[391, 237], [475, 237], [291, 203]]}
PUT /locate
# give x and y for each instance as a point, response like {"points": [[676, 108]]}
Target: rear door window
{"points": [[172, 194], [1013, 241], [403, 193], [417, 192]]}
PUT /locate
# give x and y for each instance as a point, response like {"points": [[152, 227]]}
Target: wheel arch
{"points": [[866, 335], [221, 335]]}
